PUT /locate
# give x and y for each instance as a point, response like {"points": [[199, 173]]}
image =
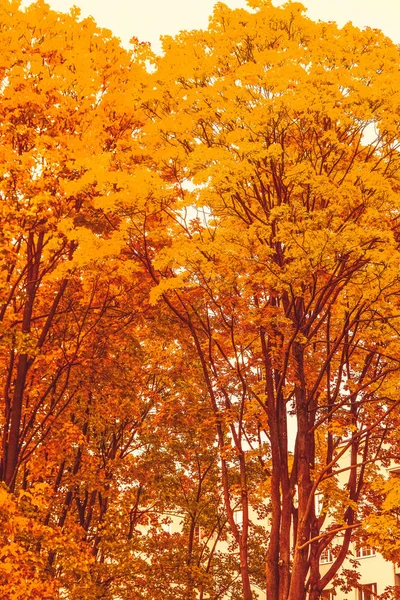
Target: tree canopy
{"points": [[200, 264]]}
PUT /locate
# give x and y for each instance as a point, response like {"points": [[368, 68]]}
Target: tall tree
{"points": [[200, 261], [60, 127], [275, 244]]}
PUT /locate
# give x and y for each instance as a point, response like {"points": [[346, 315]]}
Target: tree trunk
{"points": [[11, 445]]}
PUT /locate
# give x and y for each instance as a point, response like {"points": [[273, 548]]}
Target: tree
{"points": [[61, 124], [200, 260], [64, 126], [83, 386], [273, 239]]}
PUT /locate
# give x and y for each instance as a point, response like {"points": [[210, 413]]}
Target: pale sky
{"points": [[148, 19]]}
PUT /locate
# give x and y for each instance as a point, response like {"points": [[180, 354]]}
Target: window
{"points": [[327, 595], [367, 591], [319, 504], [364, 551], [199, 533], [238, 517], [326, 557]]}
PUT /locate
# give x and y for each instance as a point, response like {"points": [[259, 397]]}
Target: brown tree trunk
{"points": [[11, 445], [305, 460], [272, 562]]}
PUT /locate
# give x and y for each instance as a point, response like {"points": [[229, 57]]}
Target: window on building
{"points": [[326, 557], [367, 592], [364, 551], [327, 595], [238, 517], [199, 533], [319, 503]]}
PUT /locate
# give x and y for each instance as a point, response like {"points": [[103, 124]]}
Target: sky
{"points": [[148, 19]]}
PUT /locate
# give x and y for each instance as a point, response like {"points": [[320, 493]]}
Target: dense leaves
{"points": [[200, 264]]}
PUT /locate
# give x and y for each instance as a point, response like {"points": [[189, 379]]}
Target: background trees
{"points": [[200, 261]]}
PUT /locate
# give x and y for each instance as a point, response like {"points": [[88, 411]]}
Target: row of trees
{"points": [[200, 254]]}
